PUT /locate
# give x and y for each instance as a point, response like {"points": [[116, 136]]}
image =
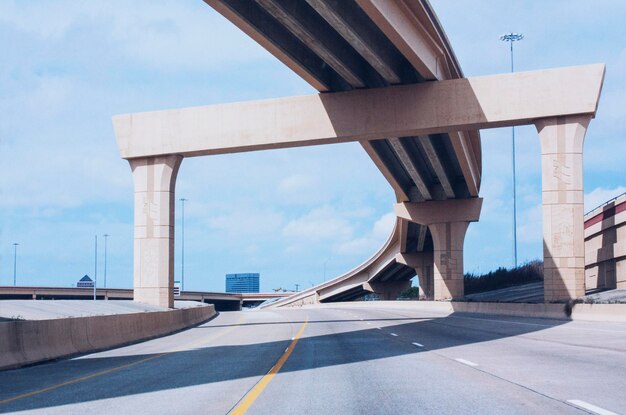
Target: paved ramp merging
{"points": [[340, 360]]}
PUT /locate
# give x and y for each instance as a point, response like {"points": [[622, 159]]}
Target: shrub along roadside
{"points": [[501, 278]]}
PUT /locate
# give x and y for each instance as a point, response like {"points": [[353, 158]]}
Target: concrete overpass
{"points": [[222, 301], [388, 79]]}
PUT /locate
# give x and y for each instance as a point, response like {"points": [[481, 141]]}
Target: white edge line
{"points": [[590, 407], [417, 344], [466, 362]]}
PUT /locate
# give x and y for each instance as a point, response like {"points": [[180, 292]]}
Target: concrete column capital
{"points": [[415, 260], [440, 211], [564, 134]]}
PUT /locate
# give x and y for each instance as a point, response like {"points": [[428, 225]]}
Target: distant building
{"points": [[242, 283], [85, 282]]}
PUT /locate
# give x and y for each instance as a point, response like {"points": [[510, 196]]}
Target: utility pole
{"points": [[105, 259], [513, 37], [95, 261], [15, 245]]}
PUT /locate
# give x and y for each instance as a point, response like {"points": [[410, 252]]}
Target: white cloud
{"points": [[530, 225], [159, 34], [320, 224], [601, 195], [365, 246], [384, 226], [247, 222]]}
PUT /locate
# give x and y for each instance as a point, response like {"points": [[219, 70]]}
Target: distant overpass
{"points": [[222, 301]]}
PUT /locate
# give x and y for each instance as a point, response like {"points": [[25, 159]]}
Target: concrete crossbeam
{"points": [[439, 211], [396, 111]]}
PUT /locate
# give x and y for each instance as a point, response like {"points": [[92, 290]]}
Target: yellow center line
{"points": [[254, 393], [81, 379], [118, 368]]}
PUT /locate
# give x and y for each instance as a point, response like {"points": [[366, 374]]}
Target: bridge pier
{"points": [[448, 221], [563, 209], [154, 180], [422, 263]]}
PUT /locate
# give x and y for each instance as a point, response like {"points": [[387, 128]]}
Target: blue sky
{"points": [[68, 66]]}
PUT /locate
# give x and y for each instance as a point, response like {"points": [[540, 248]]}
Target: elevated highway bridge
{"points": [[387, 78], [222, 301]]}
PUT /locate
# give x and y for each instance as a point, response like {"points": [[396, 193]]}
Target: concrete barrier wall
{"points": [[583, 312], [26, 342]]}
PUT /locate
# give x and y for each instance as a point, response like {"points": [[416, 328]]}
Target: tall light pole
{"points": [[15, 245], [513, 37], [95, 262], [106, 235], [182, 276]]}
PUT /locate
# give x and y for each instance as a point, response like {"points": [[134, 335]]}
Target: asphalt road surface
{"points": [[341, 360]]}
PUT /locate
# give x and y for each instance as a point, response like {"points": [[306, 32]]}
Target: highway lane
{"points": [[341, 360]]}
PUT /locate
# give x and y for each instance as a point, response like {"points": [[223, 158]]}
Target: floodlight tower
{"points": [[511, 38]]}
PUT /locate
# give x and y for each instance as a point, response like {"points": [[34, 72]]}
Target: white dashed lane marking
{"points": [[466, 362], [417, 344], [590, 407], [394, 334]]}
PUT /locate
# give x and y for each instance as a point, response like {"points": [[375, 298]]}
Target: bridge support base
{"points": [[563, 210], [389, 290], [422, 263], [448, 221], [448, 238], [155, 180]]}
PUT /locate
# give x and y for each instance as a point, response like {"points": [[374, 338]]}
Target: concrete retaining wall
{"points": [[586, 312], [26, 342]]}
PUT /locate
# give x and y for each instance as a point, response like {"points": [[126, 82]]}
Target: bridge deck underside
{"points": [[335, 45], [343, 45]]}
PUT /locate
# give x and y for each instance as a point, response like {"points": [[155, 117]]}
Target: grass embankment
{"points": [[502, 278]]}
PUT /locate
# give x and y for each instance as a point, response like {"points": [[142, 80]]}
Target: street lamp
{"points": [[182, 277], [15, 245], [511, 38], [106, 235]]}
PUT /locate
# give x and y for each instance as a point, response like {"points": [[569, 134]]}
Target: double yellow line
{"points": [[254, 393]]}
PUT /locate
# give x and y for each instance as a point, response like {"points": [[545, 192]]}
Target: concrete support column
{"points": [[155, 181], [422, 263], [448, 239], [447, 221], [562, 194]]}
